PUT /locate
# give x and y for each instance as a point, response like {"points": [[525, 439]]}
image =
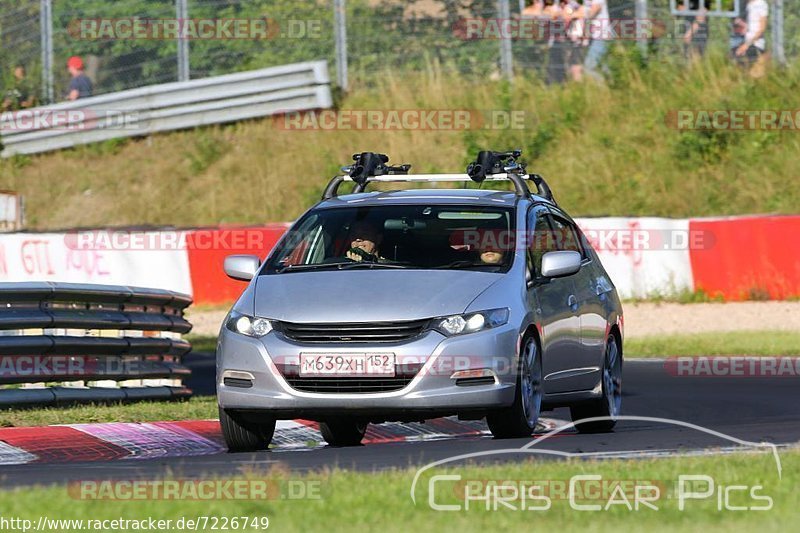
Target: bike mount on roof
{"points": [[370, 166], [490, 163], [365, 165]]}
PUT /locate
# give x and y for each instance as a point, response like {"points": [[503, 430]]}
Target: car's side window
{"points": [[540, 239], [566, 236]]}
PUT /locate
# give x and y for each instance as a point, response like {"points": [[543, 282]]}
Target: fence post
{"points": [[46, 27], [340, 37], [641, 16], [778, 37], [506, 53], [182, 14]]}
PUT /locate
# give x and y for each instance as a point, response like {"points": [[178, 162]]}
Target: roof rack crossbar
{"points": [[371, 167], [519, 181]]}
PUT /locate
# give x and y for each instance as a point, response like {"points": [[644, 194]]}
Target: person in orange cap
{"points": [[80, 86]]}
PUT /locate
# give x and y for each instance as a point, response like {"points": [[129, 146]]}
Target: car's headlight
{"points": [[471, 322], [248, 325]]}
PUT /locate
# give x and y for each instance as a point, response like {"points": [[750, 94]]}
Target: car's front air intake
{"points": [[354, 332]]}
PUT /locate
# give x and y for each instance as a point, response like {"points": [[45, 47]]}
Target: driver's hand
{"points": [[354, 256]]}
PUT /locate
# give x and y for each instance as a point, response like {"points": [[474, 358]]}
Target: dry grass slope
{"points": [[604, 149]]}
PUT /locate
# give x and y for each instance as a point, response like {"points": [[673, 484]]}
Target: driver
{"points": [[491, 254], [365, 240]]}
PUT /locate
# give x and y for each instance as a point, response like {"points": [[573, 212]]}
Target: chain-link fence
{"points": [[132, 43]]}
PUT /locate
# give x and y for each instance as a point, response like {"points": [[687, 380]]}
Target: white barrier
{"points": [[11, 215], [645, 257], [55, 257]]}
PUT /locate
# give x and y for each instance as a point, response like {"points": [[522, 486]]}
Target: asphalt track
{"points": [[755, 409]]}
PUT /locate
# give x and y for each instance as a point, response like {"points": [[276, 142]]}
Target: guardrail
{"points": [[169, 106], [77, 343]]}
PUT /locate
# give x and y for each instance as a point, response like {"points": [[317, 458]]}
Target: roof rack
{"points": [[490, 166]]}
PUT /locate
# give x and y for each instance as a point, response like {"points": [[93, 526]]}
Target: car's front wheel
{"points": [[243, 436], [343, 431], [609, 406], [520, 419]]}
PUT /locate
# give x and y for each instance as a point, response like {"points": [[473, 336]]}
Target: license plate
{"points": [[346, 364]]}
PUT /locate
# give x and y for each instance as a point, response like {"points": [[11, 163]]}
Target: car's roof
{"points": [[438, 196]]}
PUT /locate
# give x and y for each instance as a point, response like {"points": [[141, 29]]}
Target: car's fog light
{"points": [[476, 376]]}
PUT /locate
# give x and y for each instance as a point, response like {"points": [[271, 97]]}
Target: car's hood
{"points": [[368, 295]]}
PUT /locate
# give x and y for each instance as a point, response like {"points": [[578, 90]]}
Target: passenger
{"points": [[365, 240]]}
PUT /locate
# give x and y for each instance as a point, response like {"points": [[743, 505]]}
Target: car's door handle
{"points": [[572, 302]]}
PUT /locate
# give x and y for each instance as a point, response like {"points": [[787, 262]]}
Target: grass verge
{"points": [[758, 343], [193, 409], [344, 499]]}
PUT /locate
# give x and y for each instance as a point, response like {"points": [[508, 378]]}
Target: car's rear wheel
{"points": [[520, 419], [343, 431], [245, 436], [610, 405]]}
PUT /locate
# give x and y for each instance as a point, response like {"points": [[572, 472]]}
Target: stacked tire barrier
{"points": [[66, 343]]}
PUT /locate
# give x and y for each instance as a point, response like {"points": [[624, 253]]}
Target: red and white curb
{"points": [[153, 440]]}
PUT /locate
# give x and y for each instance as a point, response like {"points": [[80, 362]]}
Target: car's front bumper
{"points": [[432, 391]]}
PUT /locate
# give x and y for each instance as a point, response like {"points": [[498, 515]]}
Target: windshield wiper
{"points": [[363, 264], [343, 265], [312, 266], [463, 263]]}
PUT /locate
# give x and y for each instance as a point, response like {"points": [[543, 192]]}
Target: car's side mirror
{"points": [[560, 264], [242, 267]]}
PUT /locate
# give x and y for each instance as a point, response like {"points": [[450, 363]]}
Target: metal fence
{"points": [[171, 106], [64, 343], [363, 38]]}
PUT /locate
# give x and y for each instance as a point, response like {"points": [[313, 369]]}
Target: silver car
{"points": [[407, 305]]}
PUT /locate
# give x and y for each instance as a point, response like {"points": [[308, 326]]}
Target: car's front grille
{"points": [[353, 332], [349, 385]]}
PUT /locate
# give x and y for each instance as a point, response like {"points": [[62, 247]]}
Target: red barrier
{"points": [[748, 257], [207, 249]]}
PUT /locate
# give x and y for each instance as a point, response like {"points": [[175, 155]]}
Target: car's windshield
{"points": [[399, 236]]}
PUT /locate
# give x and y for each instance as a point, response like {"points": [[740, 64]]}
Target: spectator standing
{"points": [[80, 86], [695, 40], [574, 17], [597, 18], [556, 42], [534, 9], [20, 96], [754, 45]]}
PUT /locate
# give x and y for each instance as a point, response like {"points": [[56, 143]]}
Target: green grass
{"points": [[606, 150], [381, 501], [202, 343], [193, 409], [725, 343]]}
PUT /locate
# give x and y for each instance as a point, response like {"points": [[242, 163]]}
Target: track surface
{"points": [[752, 409]]}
